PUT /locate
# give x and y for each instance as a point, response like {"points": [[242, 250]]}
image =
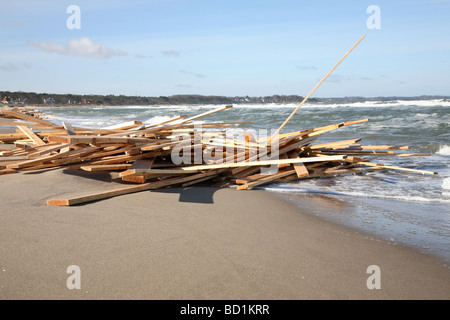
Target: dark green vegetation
{"points": [[33, 98]]}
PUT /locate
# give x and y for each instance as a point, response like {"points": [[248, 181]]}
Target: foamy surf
{"points": [[446, 184], [407, 198], [444, 150]]}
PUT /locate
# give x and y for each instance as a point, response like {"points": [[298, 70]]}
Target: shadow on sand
{"points": [[200, 193], [196, 194]]}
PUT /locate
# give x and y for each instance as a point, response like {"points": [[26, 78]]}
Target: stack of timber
{"points": [[142, 154]]}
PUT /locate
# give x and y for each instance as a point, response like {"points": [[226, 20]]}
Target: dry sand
{"points": [[194, 243]]}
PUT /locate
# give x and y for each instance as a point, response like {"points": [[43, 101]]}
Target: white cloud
{"points": [[9, 67], [335, 78], [171, 53], [143, 56], [198, 75], [306, 67], [83, 47], [15, 22], [12, 67]]}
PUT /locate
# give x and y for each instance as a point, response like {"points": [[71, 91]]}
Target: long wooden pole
{"points": [[317, 85]]}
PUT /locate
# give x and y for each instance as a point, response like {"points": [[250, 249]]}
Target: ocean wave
{"points": [[362, 104], [444, 150], [356, 194], [394, 103], [156, 119], [446, 183]]}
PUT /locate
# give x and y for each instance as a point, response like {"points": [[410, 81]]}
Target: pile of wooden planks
{"points": [[179, 152], [147, 156]]}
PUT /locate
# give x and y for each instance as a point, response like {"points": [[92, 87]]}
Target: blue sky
{"points": [[232, 48]]}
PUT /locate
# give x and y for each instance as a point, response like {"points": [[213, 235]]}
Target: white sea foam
{"points": [[444, 150], [446, 183], [275, 188], [364, 104], [157, 119]]}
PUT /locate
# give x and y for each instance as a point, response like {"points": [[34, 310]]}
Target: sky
{"points": [[229, 48]]}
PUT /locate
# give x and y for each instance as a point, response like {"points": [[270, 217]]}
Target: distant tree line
{"points": [[33, 98], [120, 100]]}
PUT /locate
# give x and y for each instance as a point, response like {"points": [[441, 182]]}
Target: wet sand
{"points": [[192, 243]]}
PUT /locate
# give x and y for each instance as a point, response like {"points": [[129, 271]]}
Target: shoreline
{"points": [[192, 243], [366, 216]]}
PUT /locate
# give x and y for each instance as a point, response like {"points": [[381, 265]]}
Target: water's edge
{"points": [[382, 218]]}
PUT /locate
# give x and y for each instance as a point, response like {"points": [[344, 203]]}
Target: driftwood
{"points": [[148, 155], [142, 154]]}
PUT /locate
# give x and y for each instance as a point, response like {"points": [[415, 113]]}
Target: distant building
{"points": [[49, 101], [6, 100]]}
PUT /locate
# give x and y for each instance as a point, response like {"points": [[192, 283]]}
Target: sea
{"points": [[402, 207]]}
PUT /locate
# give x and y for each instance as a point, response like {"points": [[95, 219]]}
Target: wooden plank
{"points": [[75, 156], [396, 168], [127, 190], [250, 178], [124, 126], [335, 144], [284, 143], [13, 158], [375, 153], [151, 127], [30, 134], [14, 136], [23, 146], [156, 124], [300, 170], [326, 175], [43, 160], [265, 180], [385, 147], [245, 172], [125, 158], [71, 132], [51, 148], [348, 123], [159, 145], [107, 167], [96, 139], [190, 169], [7, 171], [317, 85], [69, 129], [33, 162], [139, 164], [26, 117], [11, 122], [294, 146], [102, 154], [205, 114], [41, 166], [314, 130]]}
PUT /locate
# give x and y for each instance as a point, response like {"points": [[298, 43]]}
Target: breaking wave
{"points": [[444, 150]]}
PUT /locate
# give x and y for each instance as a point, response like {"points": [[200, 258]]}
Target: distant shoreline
{"points": [[67, 100]]}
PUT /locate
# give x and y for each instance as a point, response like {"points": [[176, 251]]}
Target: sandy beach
{"points": [[192, 243], [348, 106]]}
